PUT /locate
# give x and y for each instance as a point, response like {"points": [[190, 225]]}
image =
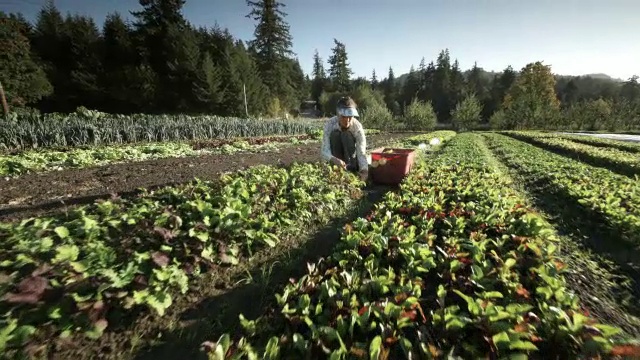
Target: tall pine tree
{"points": [[84, 63], [339, 71], [242, 75], [442, 79], [391, 92], [411, 87], [23, 79], [374, 80], [501, 84], [169, 45], [272, 46], [319, 77]]}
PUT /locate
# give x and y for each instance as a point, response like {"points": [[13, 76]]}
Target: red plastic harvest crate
{"points": [[399, 164]]}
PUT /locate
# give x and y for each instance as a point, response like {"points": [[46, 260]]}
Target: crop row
{"points": [[82, 271], [30, 131], [442, 135], [451, 265], [618, 160], [603, 142], [615, 197], [49, 160]]}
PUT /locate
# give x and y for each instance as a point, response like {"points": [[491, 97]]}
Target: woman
{"points": [[344, 143]]}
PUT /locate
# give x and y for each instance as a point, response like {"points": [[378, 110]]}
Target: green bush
{"points": [[466, 115], [420, 115]]}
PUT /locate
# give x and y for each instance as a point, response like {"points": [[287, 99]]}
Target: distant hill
{"points": [[600, 76], [490, 74], [487, 74], [595, 76]]}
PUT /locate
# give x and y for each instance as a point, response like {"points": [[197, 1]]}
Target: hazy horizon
{"points": [[574, 37]]}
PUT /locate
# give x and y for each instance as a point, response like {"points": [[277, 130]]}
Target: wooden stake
{"points": [[246, 108], [5, 106]]}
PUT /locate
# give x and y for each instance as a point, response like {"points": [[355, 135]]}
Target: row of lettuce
{"points": [[48, 159], [74, 273], [633, 147], [453, 264], [70, 273], [37, 161], [614, 197], [617, 156]]}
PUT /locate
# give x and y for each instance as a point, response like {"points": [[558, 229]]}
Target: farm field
{"points": [[622, 137], [39, 192], [500, 245], [37, 161]]}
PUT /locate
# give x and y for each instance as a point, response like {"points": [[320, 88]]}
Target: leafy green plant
{"points": [[74, 273], [36, 131], [614, 196], [609, 157], [54, 160], [453, 264]]}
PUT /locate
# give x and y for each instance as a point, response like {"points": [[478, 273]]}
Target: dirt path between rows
{"points": [[37, 194]]}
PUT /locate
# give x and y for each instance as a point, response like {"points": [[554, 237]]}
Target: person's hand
{"points": [[338, 162], [364, 175]]}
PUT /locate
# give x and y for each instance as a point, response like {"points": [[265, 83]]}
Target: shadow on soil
{"points": [[216, 315], [57, 206], [620, 147], [574, 220], [607, 281], [14, 213], [618, 168]]}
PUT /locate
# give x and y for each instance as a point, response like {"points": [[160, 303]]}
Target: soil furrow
{"points": [[38, 194]]}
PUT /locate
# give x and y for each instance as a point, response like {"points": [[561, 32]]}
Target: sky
{"points": [[574, 37]]}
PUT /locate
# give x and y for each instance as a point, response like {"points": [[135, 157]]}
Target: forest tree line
{"points": [[160, 63]]}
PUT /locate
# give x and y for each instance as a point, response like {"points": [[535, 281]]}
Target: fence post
{"points": [[5, 106]]}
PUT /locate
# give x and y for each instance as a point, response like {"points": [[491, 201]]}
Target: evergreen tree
{"points": [[339, 71], [422, 70], [209, 85], [374, 80], [457, 86], [297, 82], [242, 75], [84, 63], [427, 87], [120, 80], [411, 87], [570, 93], [360, 81], [631, 89], [319, 81], [169, 45], [501, 84], [272, 46], [391, 92], [49, 43], [24, 81], [466, 115], [183, 65], [478, 85], [442, 79]]}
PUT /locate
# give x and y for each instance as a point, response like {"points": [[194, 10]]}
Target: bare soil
{"points": [[38, 194]]}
